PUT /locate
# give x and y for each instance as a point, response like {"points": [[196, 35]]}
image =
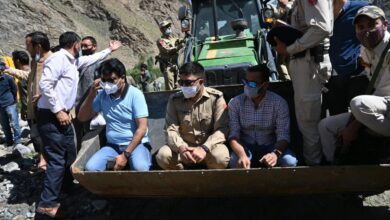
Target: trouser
{"points": [[217, 158], [170, 77], [60, 152], [308, 79], [9, 119], [80, 129], [35, 136], [329, 129], [255, 152], [282, 68], [373, 112], [140, 159], [341, 89]]}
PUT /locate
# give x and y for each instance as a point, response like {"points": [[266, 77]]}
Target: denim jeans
{"points": [[255, 152], [60, 152], [9, 118], [139, 160]]}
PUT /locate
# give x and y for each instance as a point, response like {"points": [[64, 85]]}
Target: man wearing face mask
{"points": [[168, 47], [195, 124], [371, 111], [58, 86], [124, 108], [259, 124], [87, 74]]}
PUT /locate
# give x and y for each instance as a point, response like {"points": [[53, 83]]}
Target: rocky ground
{"points": [[21, 184]]}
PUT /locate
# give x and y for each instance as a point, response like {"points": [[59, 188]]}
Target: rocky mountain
{"points": [[131, 21]]}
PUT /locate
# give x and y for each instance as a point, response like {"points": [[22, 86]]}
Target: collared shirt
{"points": [[371, 57], [203, 122], [265, 124], [120, 114], [60, 77], [315, 20], [344, 46]]}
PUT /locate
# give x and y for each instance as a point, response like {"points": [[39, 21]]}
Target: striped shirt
{"points": [[265, 124]]}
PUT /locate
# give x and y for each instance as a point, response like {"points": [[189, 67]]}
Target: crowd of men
{"points": [[77, 84]]}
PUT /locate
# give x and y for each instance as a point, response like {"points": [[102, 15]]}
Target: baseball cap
{"points": [[370, 11], [164, 24]]}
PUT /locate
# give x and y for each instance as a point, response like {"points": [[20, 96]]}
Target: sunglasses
{"points": [[251, 84], [187, 82]]}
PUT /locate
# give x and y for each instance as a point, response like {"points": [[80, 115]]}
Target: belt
{"points": [[303, 53], [49, 111]]}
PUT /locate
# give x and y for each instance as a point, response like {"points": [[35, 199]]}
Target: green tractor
{"points": [[226, 37]]}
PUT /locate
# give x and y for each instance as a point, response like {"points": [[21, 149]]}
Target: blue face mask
{"points": [[168, 31], [252, 89]]}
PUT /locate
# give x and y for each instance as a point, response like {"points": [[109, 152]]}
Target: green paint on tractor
{"points": [[228, 50]]}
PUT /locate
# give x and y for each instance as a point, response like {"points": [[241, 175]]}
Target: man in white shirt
{"points": [[367, 110], [58, 87]]}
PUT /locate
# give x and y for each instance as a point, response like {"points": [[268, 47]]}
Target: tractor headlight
{"points": [[268, 15]]}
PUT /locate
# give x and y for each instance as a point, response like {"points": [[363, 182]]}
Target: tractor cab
{"points": [[226, 37]]}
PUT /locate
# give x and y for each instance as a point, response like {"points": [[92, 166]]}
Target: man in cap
{"points": [[195, 124], [309, 68], [370, 111], [168, 47]]}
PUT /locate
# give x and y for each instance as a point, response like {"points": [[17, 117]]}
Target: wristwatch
{"points": [[277, 152], [127, 154], [206, 149]]}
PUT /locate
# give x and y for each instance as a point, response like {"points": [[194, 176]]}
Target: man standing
{"points": [[309, 68], [22, 62], [58, 87], [168, 47], [195, 124], [367, 110], [8, 112], [346, 81], [87, 74], [259, 124], [145, 77], [124, 108]]}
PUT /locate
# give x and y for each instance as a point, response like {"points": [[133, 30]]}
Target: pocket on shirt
{"points": [[205, 120], [185, 122]]}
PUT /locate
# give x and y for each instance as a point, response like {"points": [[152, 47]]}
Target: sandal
{"points": [[51, 212]]}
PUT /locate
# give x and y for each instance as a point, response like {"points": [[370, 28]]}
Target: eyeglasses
{"points": [[187, 82], [86, 45], [251, 84]]}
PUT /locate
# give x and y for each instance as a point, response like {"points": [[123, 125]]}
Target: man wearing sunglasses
{"points": [[195, 124], [259, 124]]}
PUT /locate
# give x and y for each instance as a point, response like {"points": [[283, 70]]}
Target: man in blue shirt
{"points": [[125, 111], [8, 113], [344, 54]]}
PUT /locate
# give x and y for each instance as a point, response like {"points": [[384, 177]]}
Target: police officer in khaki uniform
{"points": [[168, 47], [309, 68], [195, 124]]}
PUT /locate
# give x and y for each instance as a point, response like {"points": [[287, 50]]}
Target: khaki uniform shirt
{"points": [[315, 19], [193, 124], [168, 47], [33, 83]]}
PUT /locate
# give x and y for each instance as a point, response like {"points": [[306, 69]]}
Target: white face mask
{"points": [[189, 91], [109, 88], [37, 57]]}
